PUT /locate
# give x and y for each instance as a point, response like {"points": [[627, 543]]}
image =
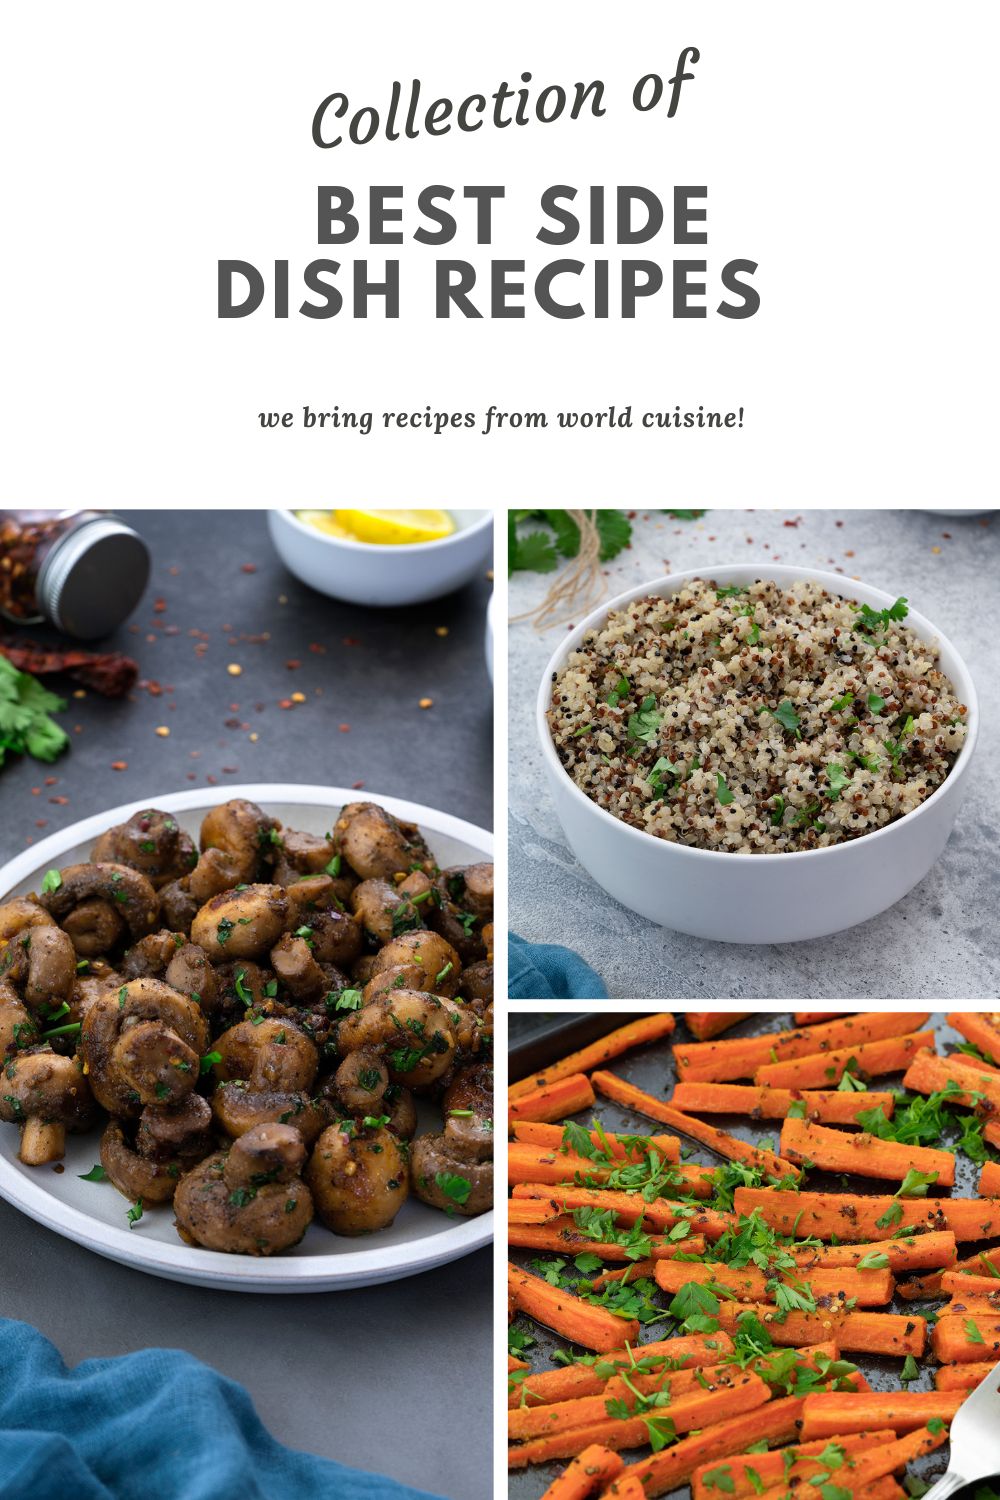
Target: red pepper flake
{"points": [[248, 568], [293, 665], [195, 754], [317, 649], [174, 572], [119, 765], [60, 801], [194, 632], [233, 724], [227, 629], [171, 630], [36, 791], [43, 823], [133, 630], [212, 780], [191, 776], [838, 523], [946, 535], [159, 605], [792, 524], [285, 703], [351, 640], [848, 554], [356, 786], [344, 728], [52, 781], [230, 770]]}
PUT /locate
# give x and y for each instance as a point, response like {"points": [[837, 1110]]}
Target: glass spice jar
{"points": [[83, 571]]}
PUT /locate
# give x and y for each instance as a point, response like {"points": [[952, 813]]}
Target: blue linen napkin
{"points": [[157, 1425], [545, 971]]}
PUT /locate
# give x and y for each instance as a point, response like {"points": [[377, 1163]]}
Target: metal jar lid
{"points": [[94, 577]]}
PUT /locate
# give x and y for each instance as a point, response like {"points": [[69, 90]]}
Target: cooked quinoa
{"points": [[755, 719]]}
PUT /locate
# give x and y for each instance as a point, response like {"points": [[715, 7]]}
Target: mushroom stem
{"points": [[42, 1141]]}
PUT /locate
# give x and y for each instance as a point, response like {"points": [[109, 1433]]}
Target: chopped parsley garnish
{"points": [[224, 931], [454, 1186], [788, 718], [349, 1000], [644, 724], [96, 1174], [134, 1214], [333, 868], [209, 1061], [837, 779], [621, 690], [52, 881], [722, 792]]}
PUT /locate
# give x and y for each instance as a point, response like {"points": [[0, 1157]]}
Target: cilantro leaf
{"points": [[534, 553]]}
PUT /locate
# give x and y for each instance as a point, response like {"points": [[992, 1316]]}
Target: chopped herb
{"points": [[224, 931], [972, 1333], [621, 690], [644, 725], [96, 1174], [333, 868], [788, 718], [52, 881], [877, 1260], [209, 1061], [875, 703], [722, 792], [134, 1214], [915, 1184], [453, 1186], [349, 1000]]}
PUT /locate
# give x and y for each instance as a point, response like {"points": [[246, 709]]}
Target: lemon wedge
{"points": [[395, 528], [325, 521]]}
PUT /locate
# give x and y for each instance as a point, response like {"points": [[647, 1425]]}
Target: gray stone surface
{"points": [[940, 941], [394, 1379]]}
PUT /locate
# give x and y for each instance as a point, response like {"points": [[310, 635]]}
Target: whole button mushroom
{"points": [[152, 843], [358, 1178], [142, 1043], [237, 842], [46, 1095], [248, 1200], [375, 844], [168, 1141], [241, 923], [413, 1031], [124, 891]]}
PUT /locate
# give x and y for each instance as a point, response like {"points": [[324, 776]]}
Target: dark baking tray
{"points": [[651, 1068]]}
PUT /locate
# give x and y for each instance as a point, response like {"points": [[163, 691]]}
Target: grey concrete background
{"points": [[940, 941], [323, 1370]]}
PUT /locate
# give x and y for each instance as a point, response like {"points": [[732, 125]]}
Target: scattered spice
{"points": [[162, 731], [234, 669], [119, 765], [426, 703]]}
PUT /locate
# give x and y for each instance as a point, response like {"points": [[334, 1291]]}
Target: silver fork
{"points": [[975, 1439]]}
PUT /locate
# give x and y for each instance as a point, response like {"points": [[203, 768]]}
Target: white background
{"points": [[848, 149]]}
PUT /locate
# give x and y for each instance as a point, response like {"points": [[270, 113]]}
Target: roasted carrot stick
{"points": [[850, 1217], [580, 1322], [963, 1377], [927, 1073], [879, 1462], [867, 1288], [527, 1162], [991, 1133], [704, 1024], [516, 1364], [697, 1410], [632, 1272], [616, 1088], [529, 1211], [816, 1017], [775, 1423], [904, 1256], [587, 1475], [690, 1350], [830, 1412], [864, 1154], [960, 1339], [635, 1034], [566, 1096], [629, 1487], [740, 1057], [563, 1237], [526, 1422], [976, 1307], [829, 1105], [661, 1213], [855, 1332], [824, 1070], [769, 1468], [666, 1146], [963, 1284], [917, 1287], [989, 1180], [982, 1029]]}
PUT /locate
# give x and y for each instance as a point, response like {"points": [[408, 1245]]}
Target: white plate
{"points": [[93, 1214]]}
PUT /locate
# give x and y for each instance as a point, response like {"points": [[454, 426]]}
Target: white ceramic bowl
{"points": [[365, 573], [93, 1214], [758, 898]]}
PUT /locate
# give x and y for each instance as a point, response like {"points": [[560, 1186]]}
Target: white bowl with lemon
{"points": [[383, 557]]}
